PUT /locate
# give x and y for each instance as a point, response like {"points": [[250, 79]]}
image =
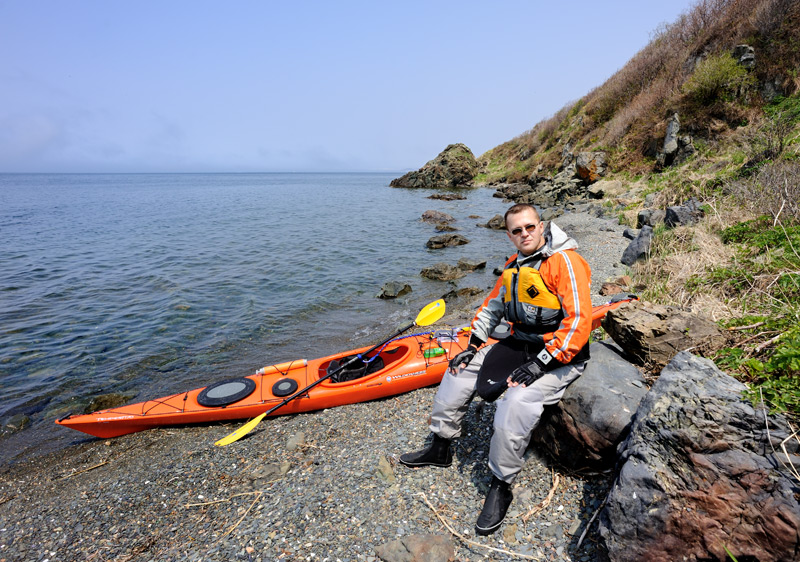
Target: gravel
{"points": [[319, 486]]}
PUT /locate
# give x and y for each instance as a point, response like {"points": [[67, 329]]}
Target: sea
{"points": [[149, 284]]}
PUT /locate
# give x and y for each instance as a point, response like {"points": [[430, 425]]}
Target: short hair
{"points": [[519, 208]]}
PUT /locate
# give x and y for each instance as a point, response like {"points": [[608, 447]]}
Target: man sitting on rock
{"points": [[544, 294]]}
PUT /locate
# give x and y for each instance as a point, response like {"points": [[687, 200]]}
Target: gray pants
{"points": [[517, 415]]}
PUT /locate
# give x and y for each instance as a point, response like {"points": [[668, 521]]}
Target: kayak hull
{"points": [[406, 367]]}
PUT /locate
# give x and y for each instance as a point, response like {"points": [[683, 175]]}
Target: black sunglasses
{"points": [[528, 228]]}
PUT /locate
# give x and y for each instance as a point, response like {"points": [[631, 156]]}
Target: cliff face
{"points": [[454, 167]]}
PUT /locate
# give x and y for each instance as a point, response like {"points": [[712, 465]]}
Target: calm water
{"points": [[151, 284]]}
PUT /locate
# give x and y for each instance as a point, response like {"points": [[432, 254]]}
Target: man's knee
{"points": [[519, 410]]}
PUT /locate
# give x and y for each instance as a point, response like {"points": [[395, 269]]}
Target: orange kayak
{"points": [[404, 364]]}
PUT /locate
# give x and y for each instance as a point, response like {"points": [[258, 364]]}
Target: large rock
{"points": [[454, 167], [446, 240], [687, 214], [394, 289], [443, 272], [698, 474], [652, 334], [590, 166], [595, 413], [639, 248]]}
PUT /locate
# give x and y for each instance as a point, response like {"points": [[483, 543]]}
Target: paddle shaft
{"points": [[340, 368]]}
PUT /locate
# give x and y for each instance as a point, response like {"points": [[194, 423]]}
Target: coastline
{"points": [[323, 485]]}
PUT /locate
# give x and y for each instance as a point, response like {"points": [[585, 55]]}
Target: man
{"points": [[544, 294]]}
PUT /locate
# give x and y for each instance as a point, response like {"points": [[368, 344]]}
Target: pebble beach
{"points": [[322, 486]]}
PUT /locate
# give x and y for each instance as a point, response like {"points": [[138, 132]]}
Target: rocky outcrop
{"points": [[568, 186], [453, 168], [675, 149], [593, 417], [653, 334], [745, 55], [446, 241], [699, 474], [590, 166]]}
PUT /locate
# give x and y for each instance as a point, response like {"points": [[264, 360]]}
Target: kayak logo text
{"points": [[396, 377]]}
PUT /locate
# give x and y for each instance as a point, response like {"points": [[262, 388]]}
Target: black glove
{"points": [[467, 355], [530, 372], [463, 358]]}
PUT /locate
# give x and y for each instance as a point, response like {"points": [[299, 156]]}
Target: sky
{"points": [[261, 86]]}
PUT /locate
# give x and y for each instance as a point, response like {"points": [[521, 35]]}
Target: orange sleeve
{"points": [[568, 275]]}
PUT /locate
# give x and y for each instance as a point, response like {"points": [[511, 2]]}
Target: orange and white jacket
{"points": [[564, 297]]}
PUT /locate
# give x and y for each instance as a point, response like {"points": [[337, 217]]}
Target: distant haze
{"points": [[294, 86]]}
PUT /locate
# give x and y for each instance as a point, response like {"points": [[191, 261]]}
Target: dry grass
{"points": [[679, 255]]}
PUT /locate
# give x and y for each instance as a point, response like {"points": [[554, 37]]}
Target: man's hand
{"points": [[463, 358], [532, 371], [526, 374]]}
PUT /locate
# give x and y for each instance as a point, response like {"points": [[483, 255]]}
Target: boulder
{"points": [[606, 188], [639, 248], [394, 289], [590, 166], [497, 222], [443, 272], [698, 474], [652, 334], [436, 217], [446, 240], [454, 167], [687, 214], [593, 417], [650, 217]]}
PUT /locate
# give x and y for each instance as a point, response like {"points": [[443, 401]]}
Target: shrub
{"points": [[717, 77]]}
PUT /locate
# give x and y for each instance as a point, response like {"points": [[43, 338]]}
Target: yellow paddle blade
{"points": [[241, 432], [431, 313]]}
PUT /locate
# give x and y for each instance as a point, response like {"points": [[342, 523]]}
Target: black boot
{"points": [[438, 453], [494, 507]]}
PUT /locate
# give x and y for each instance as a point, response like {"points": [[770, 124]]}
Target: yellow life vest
{"points": [[528, 301]]}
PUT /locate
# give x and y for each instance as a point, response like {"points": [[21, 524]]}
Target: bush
{"points": [[717, 77]]}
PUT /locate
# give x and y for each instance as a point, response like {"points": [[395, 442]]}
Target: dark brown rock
{"points": [[653, 334]]}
